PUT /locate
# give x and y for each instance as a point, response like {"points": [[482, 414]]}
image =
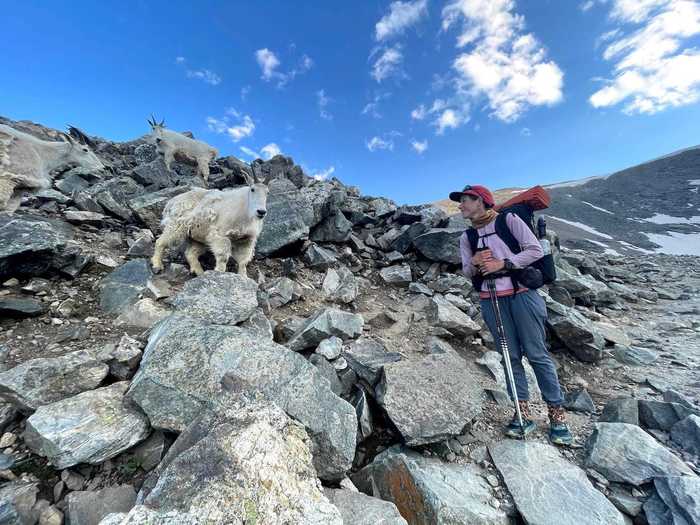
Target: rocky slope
{"points": [[355, 358]]}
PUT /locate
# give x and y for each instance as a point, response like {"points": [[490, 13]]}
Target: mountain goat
{"points": [[26, 162], [170, 143], [227, 222]]}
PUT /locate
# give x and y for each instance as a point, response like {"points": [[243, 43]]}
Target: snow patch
{"points": [[694, 182], [660, 218], [584, 227], [633, 247], [597, 208], [676, 243], [571, 183]]}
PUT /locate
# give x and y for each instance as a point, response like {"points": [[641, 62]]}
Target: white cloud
{"points": [[372, 108], [420, 147], [587, 5], [323, 174], [419, 113], [323, 102], [449, 119], [179, 60], [245, 91], [400, 17], [504, 64], [204, 75], [250, 153], [268, 62], [388, 64], [243, 127], [270, 151], [655, 68], [525, 132], [376, 143]]}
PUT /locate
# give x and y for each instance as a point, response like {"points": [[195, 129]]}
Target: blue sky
{"points": [[408, 100]]}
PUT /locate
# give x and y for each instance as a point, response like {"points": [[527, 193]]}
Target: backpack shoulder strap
{"points": [[504, 233], [473, 238]]}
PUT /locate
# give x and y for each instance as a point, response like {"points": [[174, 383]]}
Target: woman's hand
{"points": [[491, 266]]}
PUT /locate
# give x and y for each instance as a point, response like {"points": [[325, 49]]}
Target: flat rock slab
{"points": [[324, 324], [540, 479], [19, 308], [429, 399], [661, 415], [88, 428], [676, 501], [88, 508], [440, 244], [398, 275], [621, 410], [429, 492], [367, 358], [444, 314], [246, 463], [42, 381], [218, 297], [361, 509], [686, 434], [190, 365], [625, 453], [125, 285]]}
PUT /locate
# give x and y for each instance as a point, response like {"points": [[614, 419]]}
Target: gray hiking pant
{"points": [[523, 316]]}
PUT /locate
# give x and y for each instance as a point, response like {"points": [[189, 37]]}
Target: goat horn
{"points": [[162, 123]]}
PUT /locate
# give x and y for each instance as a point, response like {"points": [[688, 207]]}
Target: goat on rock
{"points": [[227, 222]]}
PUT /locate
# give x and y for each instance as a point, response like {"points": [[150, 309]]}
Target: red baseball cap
{"points": [[477, 191]]}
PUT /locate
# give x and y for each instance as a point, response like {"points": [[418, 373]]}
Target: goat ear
{"points": [[80, 136], [67, 138]]}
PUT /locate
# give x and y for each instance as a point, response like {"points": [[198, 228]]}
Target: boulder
{"points": [[330, 348], [323, 324], [246, 463], [661, 415], [142, 314], [218, 298], [42, 381], [87, 428], [328, 371], [430, 399], [621, 410], [676, 501], [281, 291], [189, 365], [427, 491], [440, 244], [339, 285], [444, 314], [122, 358], [318, 257], [576, 333], [125, 285], [17, 499], [633, 355], [625, 453], [579, 401], [18, 308], [686, 434], [149, 207], [398, 275], [88, 508], [335, 228], [360, 509], [288, 220], [367, 358], [539, 479]]}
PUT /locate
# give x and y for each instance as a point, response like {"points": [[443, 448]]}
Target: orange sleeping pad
{"points": [[536, 197]]}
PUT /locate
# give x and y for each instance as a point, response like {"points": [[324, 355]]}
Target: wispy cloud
{"points": [[372, 108], [388, 63], [250, 153], [587, 5], [449, 118], [323, 174], [233, 124], [400, 17], [205, 75], [655, 66], [419, 147], [245, 91], [323, 101], [503, 63], [269, 64], [377, 143], [525, 132], [270, 151]]}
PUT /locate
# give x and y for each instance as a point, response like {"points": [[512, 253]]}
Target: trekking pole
{"points": [[491, 284]]}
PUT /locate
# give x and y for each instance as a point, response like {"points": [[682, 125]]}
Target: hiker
{"points": [[522, 310]]}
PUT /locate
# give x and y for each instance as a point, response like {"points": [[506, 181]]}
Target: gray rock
{"points": [[188, 365], [222, 463], [367, 358], [539, 478], [85, 217], [340, 285], [148, 208], [427, 491], [421, 289], [323, 324], [148, 453], [125, 285], [403, 242], [444, 314], [579, 401], [281, 291], [424, 409], [142, 314], [399, 275], [154, 174], [678, 501], [365, 421], [258, 325], [330, 348], [286, 221], [440, 244], [142, 247], [635, 356], [8, 413], [672, 396], [88, 508], [686, 434], [19, 308], [318, 257], [218, 297], [71, 183], [662, 415], [360, 509], [576, 333], [625, 503], [328, 371], [122, 358], [335, 228], [621, 410], [17, 499], [42, 381], [88, 428], [626, 454]]}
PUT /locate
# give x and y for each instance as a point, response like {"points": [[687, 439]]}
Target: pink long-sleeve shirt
{"points": [[530, 246]]}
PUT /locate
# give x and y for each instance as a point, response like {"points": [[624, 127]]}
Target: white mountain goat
{"points": [[26, 162], [227, 222], [171, 143]]}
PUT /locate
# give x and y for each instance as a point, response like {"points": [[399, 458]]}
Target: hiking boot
{"points": [[513, 428], [559, 432]]}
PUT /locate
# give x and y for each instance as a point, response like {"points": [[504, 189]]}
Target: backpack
{"points": [[540, 272]]}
